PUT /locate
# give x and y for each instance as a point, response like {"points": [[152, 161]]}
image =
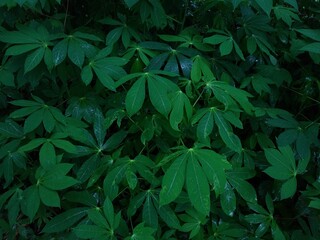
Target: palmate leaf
{"points": [[227, 43], [172, 60], [283, 168], [240, 96], [206, 119], [158, 89], [107, 69], [197, 167]]}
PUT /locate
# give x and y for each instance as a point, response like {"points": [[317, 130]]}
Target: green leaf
{"points": [[310, 33], [90, 231], [109, 211], [289, 188], [169, 217], [58, 182], [20, 49], [64, 145], [75, 52], [173, 180], [32, 201], [48, 121], [114, 141], [266, 5], [11, 129], [135, 96], [283, 161], [216, 39], [238, 50], [180, 103], [48, 197], [226, 47], [113, 36], [197, 186], [33, 121], [226, 133], [228, 200], [214, 166], [47, 155], [7, 78], [196, 70], [34, 59], [277, 233], [279, 174], [34, 143], [245, 189], [312, 47], [96, 217], [65, 220], [159, 97], [149, 213], [205, 126], [59, 52], [104, 77], [140, 232], [130, 3], [86, 75], [99, 127]]}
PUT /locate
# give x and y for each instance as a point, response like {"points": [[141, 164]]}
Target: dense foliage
{"points": [[158, 119]]}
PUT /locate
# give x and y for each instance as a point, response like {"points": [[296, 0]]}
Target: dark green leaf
{"points": [[64, 220]]}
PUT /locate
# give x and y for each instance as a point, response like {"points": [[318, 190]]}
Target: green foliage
{"points": [[157, 119]]}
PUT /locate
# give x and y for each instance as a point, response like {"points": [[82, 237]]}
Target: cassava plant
{"points": [[158, 119]]}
